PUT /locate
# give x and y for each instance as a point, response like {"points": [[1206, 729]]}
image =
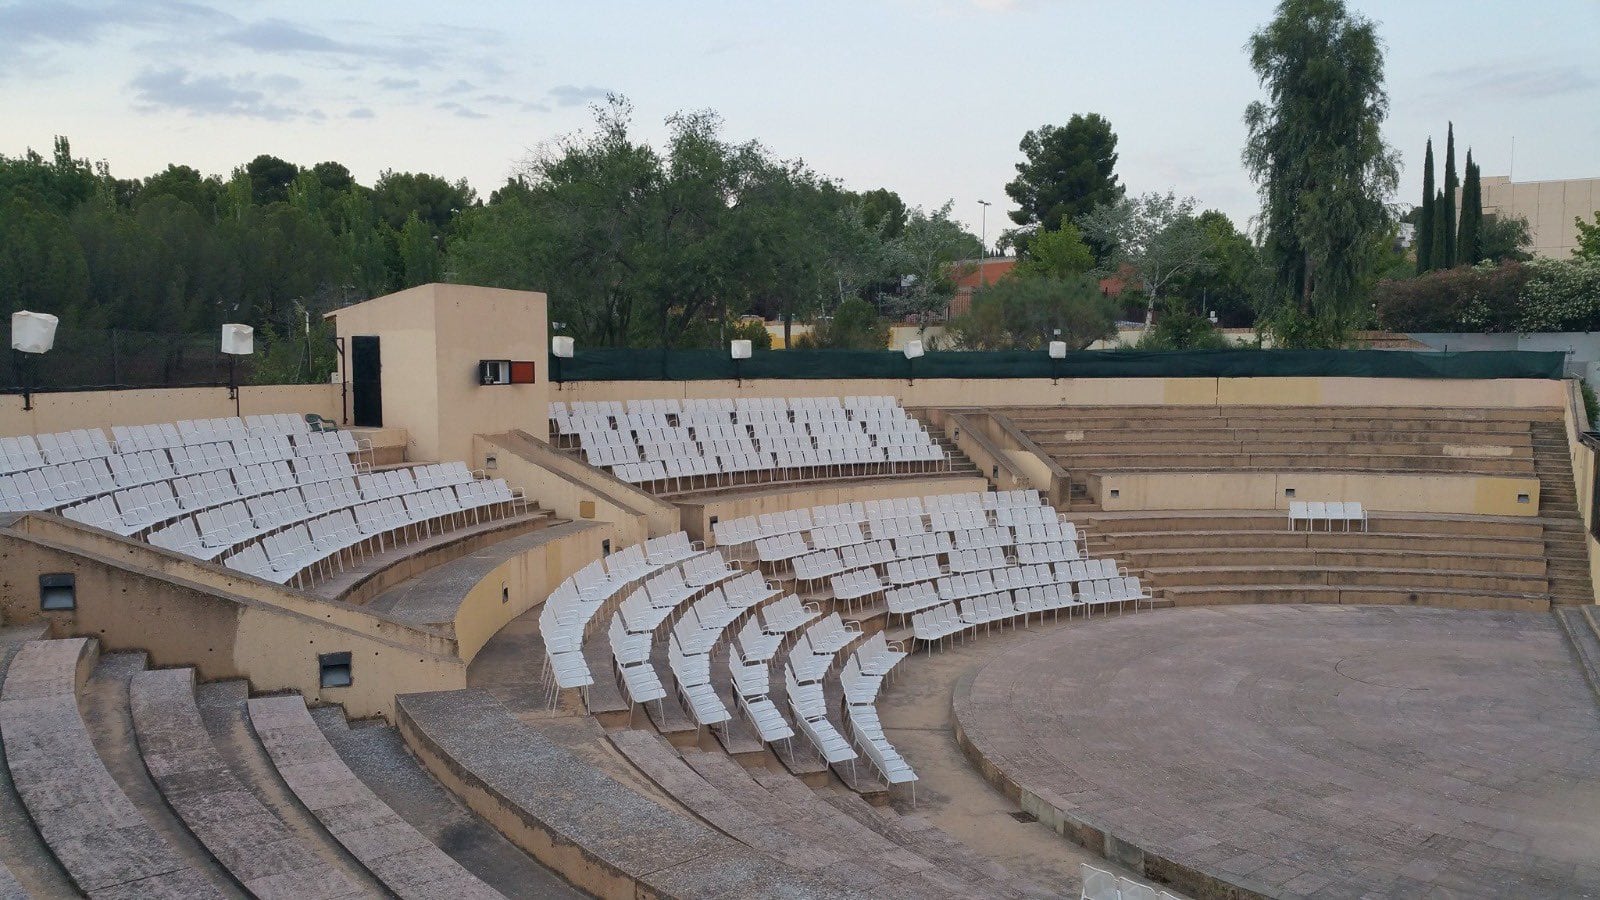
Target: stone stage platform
{"points": [[1305, 751]]}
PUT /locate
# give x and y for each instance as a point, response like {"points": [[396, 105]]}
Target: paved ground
{"points": [[1320, 751], [915, 710]]}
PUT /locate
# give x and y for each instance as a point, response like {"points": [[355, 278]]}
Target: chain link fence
{"points": [[88, 359]]}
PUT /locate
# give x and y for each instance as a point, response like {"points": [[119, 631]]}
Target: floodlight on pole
{"points": [[561, 347], [32, 335], [1058, 352], [237, 340], [739, 350], [912, 350]]}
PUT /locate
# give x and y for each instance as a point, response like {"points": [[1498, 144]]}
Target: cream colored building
{"points": [[1549, 206]]}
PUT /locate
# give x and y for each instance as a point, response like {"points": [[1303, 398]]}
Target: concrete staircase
{"points": [[1566, 544]]}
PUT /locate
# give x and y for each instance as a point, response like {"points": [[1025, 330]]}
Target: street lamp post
{"points": [[983, 241]]}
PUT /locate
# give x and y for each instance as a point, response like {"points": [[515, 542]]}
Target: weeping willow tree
{"points": [[1323, 170]]}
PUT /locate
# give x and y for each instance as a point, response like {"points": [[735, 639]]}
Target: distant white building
{"points": [[1549, 206]]}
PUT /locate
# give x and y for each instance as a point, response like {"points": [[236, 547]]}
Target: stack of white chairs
{"points": [[809, 707], [692, 672], [751, 680], [631, 654]]}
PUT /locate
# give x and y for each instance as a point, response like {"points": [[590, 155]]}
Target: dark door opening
{"points": [[366, 381]]}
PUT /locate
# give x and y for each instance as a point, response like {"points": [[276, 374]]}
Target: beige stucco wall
{"points": [[697, 515], [527, 579], [103, 409], [431, 339], [1491, 495], [565, 485], [223, 634], [1549, 206], [1504, 393], [1583, 477]]}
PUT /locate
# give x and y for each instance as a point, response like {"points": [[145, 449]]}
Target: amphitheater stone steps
{"points": [[256, 848], [225, 718], [377, 755], [109, 717], [1583, 633], [1347, 576], [27, 861], [1382, 559], [779, 814], [407, 863], [101, 837], [1566, 544]]}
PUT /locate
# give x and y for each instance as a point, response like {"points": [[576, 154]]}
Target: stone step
{"points": [[375, 752], [1530, 548], [109, 716], [1584, 639], [252, 843], [101, 837], [405, 861], [1377, 523], [1390, 595], [1436, 560], [1353, 577], [23, 852], [226, 721], [760, 827]]}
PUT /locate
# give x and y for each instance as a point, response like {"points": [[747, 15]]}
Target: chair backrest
{"points": [[1098, 884]]}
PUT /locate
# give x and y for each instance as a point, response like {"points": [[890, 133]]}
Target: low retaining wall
{"points": [[1488, 495]]}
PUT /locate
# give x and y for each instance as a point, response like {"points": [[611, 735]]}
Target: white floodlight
{"points": [[238, 340], [740, 349], [561, 347], [913, 349], [1058, 349], [33, 332]]}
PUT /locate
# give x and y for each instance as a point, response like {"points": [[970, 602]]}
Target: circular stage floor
{"points": [[1324, 751]]}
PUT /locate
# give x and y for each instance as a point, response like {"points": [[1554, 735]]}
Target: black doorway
{"points": [[366, 381]]}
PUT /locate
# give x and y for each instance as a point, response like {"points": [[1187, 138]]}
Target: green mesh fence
{"points": [[705, 365], [87, 359]]}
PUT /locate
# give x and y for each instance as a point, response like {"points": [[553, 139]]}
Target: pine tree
{"points": [[1469, 237], [1425, 219], [1447, 253]]}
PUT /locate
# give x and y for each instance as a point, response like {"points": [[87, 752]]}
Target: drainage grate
{"points": [[1023, 816]]}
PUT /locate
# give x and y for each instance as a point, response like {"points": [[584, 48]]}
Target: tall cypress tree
{"points": [[1439, 229], [1469, 237], [1447, 214], [1425, 219]]}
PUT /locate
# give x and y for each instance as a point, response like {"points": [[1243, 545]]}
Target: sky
{"points": [[926, 97]]}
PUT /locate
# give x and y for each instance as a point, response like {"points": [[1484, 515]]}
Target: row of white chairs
{"points": [[808, 553], [1098, 884], [733, 532], [948, 619], [1346, 514], [25, 452], [213, 532], [569, 610], [290, 555]]}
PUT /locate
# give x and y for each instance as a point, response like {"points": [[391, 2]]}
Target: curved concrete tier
{"points": [[94, 830], [244, 836], [1304, 750]]}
